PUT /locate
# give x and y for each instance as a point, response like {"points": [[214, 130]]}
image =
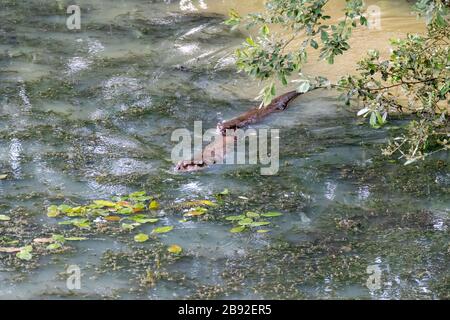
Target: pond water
{"points": [[89, 114]]}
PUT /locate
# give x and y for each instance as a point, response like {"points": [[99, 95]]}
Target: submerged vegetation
{"points": [[419, 66]]}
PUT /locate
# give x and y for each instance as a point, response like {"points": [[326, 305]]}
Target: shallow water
{"points": [[88, 115]]}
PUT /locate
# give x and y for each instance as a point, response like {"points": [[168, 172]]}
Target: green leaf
{"points": [[245, 222], [251, 214], [52, 211], [265, 30], [141, 237], [129, 226], [125, 211], [262, 231], [259, 223], [104, 203], [314, 44], [237, 229], [58, 238], [304, 86], [196, 212], [162, 229], [25, 253], [143, 219], [271, 214]]}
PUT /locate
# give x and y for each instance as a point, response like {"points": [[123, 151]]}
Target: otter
{"points": [[216, 151]]}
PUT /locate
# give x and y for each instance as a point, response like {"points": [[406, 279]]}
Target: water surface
{"points": [[88, 115]]}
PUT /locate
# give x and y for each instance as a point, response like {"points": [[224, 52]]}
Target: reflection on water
{"points": [[89, 114]]}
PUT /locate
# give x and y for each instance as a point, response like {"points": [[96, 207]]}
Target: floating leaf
{"points": [[194, 203], [58, 238], [262, 231], [125, 211], [129, 226], [154, 205], [251, 214], [235, 218], [141, 218], [137, 194], [64, 208], [162, 229], [196, 212], [245, 222], [80, 223], [25, 253], [74, 212], [141, 237], [123, 204], [113, 218], [175, 249], [271, 214], [138, 207], [237, 229], [52, 211], [4, 218], [104, 203]]}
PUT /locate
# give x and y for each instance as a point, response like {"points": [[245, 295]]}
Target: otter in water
{"points": [[216, 151]]}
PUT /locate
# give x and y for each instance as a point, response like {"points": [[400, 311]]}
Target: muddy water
{"points": [[88, 114]]}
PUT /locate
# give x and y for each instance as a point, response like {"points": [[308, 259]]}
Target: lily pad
{"points": [[141, 237], [25, 253], [196, 212], [252, 214], [154, 205], [245, 222], [271, 214], [104, 203], [175, 249], [52, 211], [237, 229], [259, 223], [162, 229]]}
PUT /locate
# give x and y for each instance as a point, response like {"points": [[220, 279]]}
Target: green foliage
{"points": [[266, 58], [251, 221], [418, 69], [419, 66]]}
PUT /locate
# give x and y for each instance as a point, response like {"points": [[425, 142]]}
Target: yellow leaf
{"points": [[175, 249], [154, 205]]}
